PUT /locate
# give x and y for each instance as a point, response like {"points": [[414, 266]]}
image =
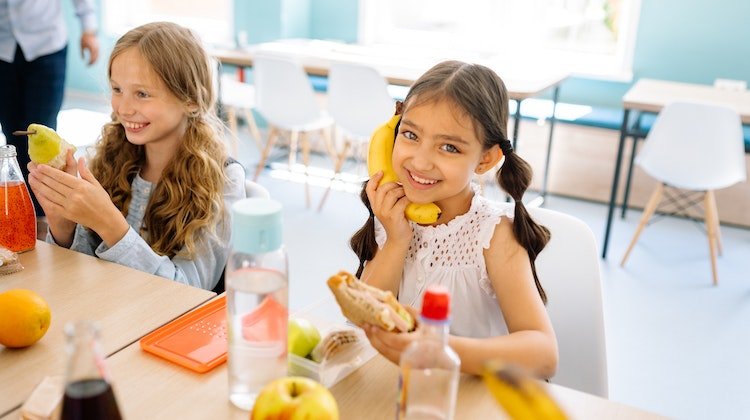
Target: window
{"points": [[585, 37], [213, 20]]}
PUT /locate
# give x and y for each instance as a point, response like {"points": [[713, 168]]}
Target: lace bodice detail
{"points": [[452, 255]]}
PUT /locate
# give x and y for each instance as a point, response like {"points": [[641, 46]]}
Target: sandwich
{"points": [[335, 342], [365, 304]]}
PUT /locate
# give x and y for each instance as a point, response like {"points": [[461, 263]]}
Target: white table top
{"points": [[652, 95], [399, 67]]}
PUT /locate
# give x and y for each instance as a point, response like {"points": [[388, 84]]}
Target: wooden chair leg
{"points": [[273, 134], [293, 146], [253, 126], [653, 202], [717, 224], [305, 140], [232, 120], [336, 170], [710, 204]]}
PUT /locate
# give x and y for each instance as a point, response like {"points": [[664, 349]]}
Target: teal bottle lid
{"points": [[256, 225]]}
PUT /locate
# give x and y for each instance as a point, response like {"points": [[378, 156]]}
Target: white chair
{"points": [[695, 147], [236, 96], [568, 269], [286, 100], [359, 102], [255, 190]]}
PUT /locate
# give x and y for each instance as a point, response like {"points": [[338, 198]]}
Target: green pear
{"points": [[46, 146]]}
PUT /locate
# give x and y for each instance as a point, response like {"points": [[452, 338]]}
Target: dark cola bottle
{"points": [[88, 393]]}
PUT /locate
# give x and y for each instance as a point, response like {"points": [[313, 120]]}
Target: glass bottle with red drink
{"points": [[88, 393], [17, 216]]}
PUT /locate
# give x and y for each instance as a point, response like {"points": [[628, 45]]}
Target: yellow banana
{"points": [[379, 159], [521, 396]]}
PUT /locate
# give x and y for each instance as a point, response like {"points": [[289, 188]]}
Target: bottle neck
{"points": [[85, 357], [10, 171], [435, 329]]}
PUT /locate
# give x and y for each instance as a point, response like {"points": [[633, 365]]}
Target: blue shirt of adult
{"points": [[38, 26]]}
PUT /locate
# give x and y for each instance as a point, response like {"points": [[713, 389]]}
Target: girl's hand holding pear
{"points": [[69, 200]]}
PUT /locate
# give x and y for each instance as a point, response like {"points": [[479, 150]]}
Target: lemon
{"points": [[24, 318]]}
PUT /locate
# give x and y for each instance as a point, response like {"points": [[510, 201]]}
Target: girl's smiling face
{"points": [[143, 104], [436, 154]]}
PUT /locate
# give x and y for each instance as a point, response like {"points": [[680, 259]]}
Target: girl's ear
{"points": [[490, 158]]}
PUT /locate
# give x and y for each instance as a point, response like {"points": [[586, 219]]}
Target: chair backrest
{"points": [[284, 95], [568, 269], [255, 190], [358, 98], [695, 146]]}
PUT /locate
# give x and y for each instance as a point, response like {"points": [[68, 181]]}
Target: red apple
{"points": [[295, 398]]}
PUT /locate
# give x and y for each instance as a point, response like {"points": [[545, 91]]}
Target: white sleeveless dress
{"points": [[451, 255]]}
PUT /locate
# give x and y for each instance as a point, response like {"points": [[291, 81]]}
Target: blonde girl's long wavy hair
{"points": [[187, 202]]}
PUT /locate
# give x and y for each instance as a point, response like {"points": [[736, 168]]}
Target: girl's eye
{"points": [[409, 135], [142, 94], [449, 148], [116, 89]]}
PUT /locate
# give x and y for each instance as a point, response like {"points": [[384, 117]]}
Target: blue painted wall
{"points": [[689, 40]]}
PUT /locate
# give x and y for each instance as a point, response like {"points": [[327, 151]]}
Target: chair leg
{"points": [[253, 126], [293, 145], [717, 224], [336, 170], [653, 202], [273, 134], [710, 205], [232, 119], [327, 134], [305, 140]]}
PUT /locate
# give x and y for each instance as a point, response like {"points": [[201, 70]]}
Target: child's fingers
{"points": [[85, 173], [70, 163]]}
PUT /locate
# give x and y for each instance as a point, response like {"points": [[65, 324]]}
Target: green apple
{"points": [[303, 337], [295, 398]]}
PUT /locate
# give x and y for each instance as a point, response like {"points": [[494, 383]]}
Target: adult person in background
{"points": [[33, 51]]}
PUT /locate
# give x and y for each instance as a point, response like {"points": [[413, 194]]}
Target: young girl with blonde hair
{"points": [[453, 126], [156, 195]]}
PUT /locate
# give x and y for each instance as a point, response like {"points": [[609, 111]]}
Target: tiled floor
{"points": [[676, 344]]}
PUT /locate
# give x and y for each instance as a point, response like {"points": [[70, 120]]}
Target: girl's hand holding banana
{"points": [[388, 202]]}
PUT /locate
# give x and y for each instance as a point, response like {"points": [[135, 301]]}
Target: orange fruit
{"points": [[24, 318]]}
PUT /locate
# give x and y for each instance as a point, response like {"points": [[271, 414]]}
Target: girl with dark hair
{"points": [[453, 126]]}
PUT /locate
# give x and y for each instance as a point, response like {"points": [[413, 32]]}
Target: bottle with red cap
{"points": [[430, 369]]}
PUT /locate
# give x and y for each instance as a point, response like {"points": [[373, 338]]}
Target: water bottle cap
{"points": [[436, 303], [256, 225]]}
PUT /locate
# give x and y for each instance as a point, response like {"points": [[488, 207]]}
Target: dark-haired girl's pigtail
{"points": [[363, 241], [515, 177]]}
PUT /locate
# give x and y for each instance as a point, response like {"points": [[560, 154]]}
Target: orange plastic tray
{"points": [[196, 340]]}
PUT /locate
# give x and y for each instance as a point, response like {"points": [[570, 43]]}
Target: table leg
{"points": [[555, 95], [516, 121], [629, 178], [615, 181]]}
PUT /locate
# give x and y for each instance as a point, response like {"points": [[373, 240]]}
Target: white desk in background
{"points": [[523, 80]]}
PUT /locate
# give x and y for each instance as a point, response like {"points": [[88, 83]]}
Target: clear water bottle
{"points": [[430, 369], [88, 394], [257, 299], [17, 216]]}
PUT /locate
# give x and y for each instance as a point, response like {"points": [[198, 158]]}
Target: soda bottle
{"points": [[430, 369], [257, 300], [17, 216], [88, 394]]}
